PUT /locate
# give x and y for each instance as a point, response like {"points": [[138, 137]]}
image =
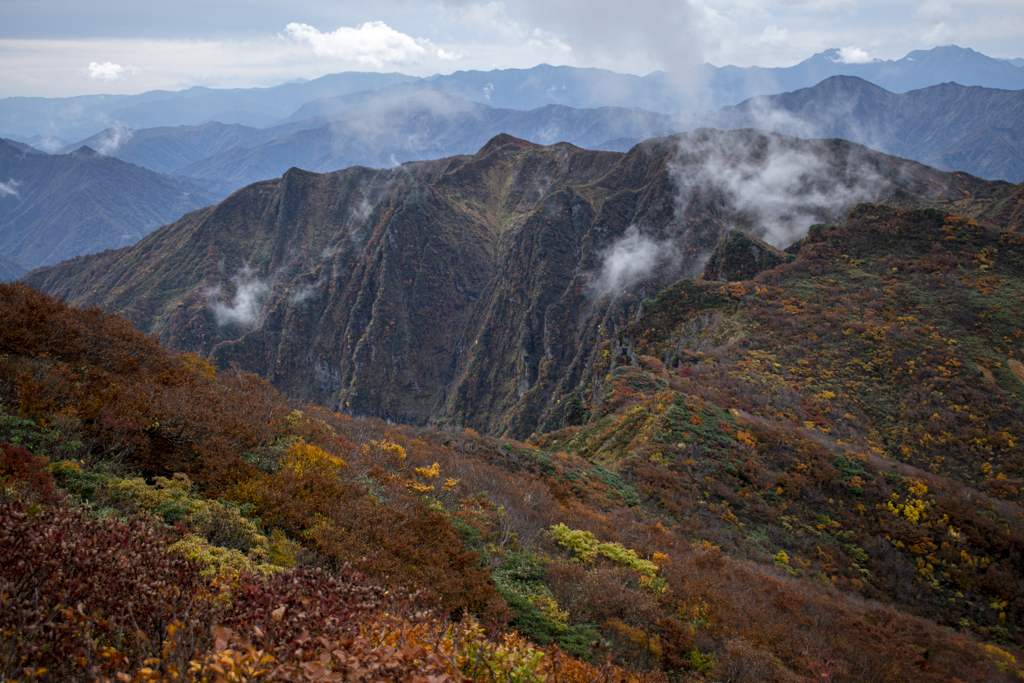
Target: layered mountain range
{"points": [[36, 119], [951, 127], [478, 290]]}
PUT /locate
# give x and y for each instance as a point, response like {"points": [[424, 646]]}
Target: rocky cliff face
{"points": [[474, 290]]}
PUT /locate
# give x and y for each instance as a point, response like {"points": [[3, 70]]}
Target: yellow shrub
{"points": [[217, 560], [303, 458]]}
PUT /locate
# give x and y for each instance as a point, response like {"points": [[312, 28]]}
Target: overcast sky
{"points": [[69, 47]]}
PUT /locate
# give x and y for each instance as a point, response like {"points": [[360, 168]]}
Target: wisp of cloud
{"points": [[630, 259], [113, 139], [10, 188], [244, 308]]}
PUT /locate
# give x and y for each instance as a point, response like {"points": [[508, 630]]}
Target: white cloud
{"points": [[373, 43], [629, 259], [49, 145], [113, 139], [939, 34], [107, 71], [257, 50], [10, 188], [853, 55], [305, 292], [773, 35], [244, 309], [448, 56], [784, 186], [546, 39]]}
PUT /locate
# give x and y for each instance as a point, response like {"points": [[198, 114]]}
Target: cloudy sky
{"points": [[69, 47]]}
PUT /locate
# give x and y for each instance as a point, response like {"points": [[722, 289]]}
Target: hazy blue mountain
{"points": [[75, 118], [12, 268], [948, 126], [54, 207], [166, 149], [708, 88], [428, 125]]}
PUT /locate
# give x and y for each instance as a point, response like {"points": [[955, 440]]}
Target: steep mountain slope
{"points": [[53, 207], [811, 474], [885, 353], [472, 290], [692, 539], [952, 127]]}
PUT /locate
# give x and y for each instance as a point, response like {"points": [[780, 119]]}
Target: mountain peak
{"points": [[501, 141], [86, 151]]}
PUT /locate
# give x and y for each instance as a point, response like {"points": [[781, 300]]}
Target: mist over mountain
{"points": [[53, 207], [707, 87], [167, 149], [926, 124], [429, 125], [948, 126], [376, 129], [473, 289], [938, 125], [75, 118]]}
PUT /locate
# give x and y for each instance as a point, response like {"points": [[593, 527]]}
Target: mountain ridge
{"points": [[59, 206], [310, 278]]}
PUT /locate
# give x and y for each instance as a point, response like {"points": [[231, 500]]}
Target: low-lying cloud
{"points": [[631, 258], [853, 55], [244, 308], [10, 188], [112, 139], [305, 292], [775, 187]]}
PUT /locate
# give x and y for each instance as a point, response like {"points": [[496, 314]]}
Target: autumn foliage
{"points": [[778, 505]]}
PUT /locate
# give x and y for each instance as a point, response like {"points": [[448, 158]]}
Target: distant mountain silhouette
{"points": [[708, 87], [380, 129]]}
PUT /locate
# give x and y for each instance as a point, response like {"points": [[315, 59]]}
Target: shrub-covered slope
{"points": [[857, 410], [727, 501], [471, 290]]}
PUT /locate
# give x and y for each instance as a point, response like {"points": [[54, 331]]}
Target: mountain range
{"points": [[52, 122], [474, 289], [951, 127], [948, 126], [53, 207]]}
